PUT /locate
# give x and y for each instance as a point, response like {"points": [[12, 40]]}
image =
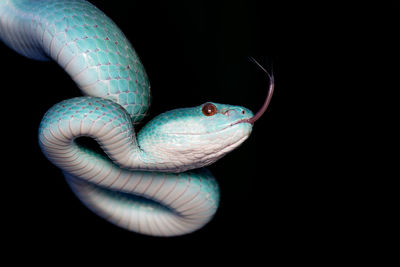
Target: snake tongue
{"points": [[269, 95]]}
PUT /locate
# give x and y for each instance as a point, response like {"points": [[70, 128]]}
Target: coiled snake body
{"points": [[145, 184]]}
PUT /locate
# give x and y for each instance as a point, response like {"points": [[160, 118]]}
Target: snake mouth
{"points": [[219, 131], [236, 123], [241, 121]]}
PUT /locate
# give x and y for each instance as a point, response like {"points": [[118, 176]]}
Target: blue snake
{"points": [[153, 182]]}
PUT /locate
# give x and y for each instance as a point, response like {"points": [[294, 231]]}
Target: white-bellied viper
{"points": [[144, 184]]}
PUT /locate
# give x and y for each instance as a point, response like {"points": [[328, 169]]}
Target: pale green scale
{"points": [[93, 59], [114, 89], [113, 58]]}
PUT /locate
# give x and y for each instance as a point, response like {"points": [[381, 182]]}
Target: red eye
{"points": [[209, 109]]}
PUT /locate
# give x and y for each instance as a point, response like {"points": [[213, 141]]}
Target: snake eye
{"points": [[209, 109]]}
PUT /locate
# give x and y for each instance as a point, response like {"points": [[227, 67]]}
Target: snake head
{"points": [[189, 138]]}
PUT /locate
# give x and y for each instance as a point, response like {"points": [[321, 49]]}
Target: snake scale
{"points": [[152, 182]]}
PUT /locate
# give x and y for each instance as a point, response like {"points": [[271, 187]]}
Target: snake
{"points": [[153, 182]]}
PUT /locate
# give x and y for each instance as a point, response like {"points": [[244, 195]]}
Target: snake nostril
{"points": [[243, 112]]}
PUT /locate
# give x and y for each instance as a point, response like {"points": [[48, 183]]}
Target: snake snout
{"points": [[239, 112]]}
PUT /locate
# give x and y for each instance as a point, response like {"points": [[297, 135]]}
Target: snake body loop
{"points": [[144, 184]]}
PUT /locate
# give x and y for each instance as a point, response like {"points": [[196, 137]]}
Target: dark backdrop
{"points": [[274, 187]]}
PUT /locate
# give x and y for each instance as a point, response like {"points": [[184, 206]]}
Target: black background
{"points": [[282, 191]]}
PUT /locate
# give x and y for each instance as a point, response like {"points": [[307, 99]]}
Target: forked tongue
{"points": [[269, 96]]}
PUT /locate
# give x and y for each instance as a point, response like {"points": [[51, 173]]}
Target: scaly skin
{"points": [[84, 42], [144, 185]]}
